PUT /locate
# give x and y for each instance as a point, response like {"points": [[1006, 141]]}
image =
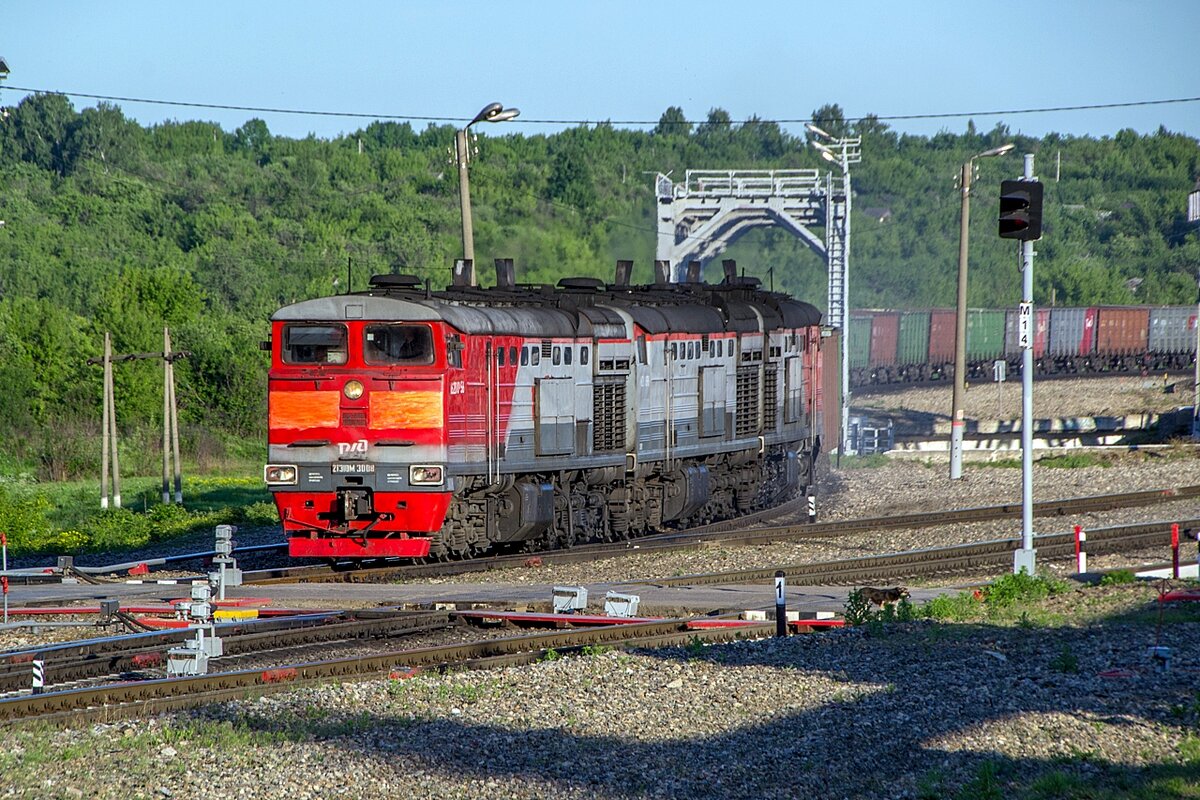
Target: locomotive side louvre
{"points": [[550, 416]]}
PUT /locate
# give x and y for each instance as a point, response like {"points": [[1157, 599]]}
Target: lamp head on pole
{"points": [[820, 148], [814, 129], [495, 112], [997, 151], [3, 68]]}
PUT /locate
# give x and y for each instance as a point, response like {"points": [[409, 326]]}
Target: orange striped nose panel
{"points": [[405, 410], [299, 410]]}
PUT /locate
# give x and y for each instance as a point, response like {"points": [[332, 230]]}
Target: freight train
{"points": [[906, 346], [410, 423]]}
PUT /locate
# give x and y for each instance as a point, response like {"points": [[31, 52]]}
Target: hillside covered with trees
{"points": [[112, 226]]}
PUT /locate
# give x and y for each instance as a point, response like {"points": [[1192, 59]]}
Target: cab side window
{"points": [[398, 344], [314, 344]]}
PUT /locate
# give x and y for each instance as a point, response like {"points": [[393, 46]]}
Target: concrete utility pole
{"points": [[170, 418], [170, 425], [960, 319], [492, 112]]}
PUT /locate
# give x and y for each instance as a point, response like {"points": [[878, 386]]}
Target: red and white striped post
{"points": [[1175, 550], [1080, 550], [4, 569]]}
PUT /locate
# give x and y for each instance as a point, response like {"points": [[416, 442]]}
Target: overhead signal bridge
{"points": [[701, 216]]}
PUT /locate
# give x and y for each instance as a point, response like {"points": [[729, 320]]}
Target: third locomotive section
{"points": [[551, 415]]}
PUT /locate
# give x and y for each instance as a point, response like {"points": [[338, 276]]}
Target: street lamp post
{"points": [[960, 317], [492, 112], [843, 152]]}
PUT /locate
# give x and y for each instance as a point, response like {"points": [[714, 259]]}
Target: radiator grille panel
{"points": [[770, 398], [608, 413], [746, 423]]}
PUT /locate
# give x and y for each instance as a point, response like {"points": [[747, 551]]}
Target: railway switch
{"points": [[108, 609], [192, 657], [225, 572], [570, 599], [621, 605]]}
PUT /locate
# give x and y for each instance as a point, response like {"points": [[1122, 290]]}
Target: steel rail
{"points": [[142, 654], [722, 536], [932, 561], [103, 704], [62, 651]]}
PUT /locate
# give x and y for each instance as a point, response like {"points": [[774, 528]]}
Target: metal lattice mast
{"points": [[701, 216], [843, 152]]}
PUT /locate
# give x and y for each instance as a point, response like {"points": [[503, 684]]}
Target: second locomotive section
{"points": [[404, 423]]}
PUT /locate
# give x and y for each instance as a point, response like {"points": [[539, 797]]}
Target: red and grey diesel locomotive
{"points": [[410, 423]]}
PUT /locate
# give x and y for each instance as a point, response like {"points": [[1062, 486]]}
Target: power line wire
{"points": [[753, 120]]}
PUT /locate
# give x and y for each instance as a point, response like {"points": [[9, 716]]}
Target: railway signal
{"points": [[1021, 210]]}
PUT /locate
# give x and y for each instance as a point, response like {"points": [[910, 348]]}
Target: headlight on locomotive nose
{"points": [[279, 474], [353, 390], [425, 476]]}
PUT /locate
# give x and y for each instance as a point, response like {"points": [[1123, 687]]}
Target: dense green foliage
{"points": [[110, 226]]}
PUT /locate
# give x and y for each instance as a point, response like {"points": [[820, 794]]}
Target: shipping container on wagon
{"points": [[941, 336], [1072, 331], [1173, 329], [1122, 330], [1041, 332], [860, 340], [829, 379], [913, 347], [985, 333], [885, 332]]}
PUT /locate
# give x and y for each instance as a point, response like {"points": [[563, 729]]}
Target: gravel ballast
{"points": [[1064, 703], [913, 710]]}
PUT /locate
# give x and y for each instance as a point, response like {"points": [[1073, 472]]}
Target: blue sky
{"points": [[618, 60]]}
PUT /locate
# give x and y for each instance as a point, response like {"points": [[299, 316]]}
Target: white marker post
{"points": [[780, 603], [4, 569], [1080, 550]]}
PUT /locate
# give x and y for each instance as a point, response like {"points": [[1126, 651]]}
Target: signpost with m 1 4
{"points": [[1021, 219]]}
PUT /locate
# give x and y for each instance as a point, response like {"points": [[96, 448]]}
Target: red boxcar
{"points": [[941, 336], [1122, 331], [885, 333]]}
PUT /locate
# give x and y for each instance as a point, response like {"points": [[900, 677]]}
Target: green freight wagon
{"points": [[860, 342], [914, 338], [985, 334]]}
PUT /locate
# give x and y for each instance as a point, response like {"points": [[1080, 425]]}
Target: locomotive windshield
{"points": [[314, 344], [398, 344]]}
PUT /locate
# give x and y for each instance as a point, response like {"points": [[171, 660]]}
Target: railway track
{"points": [[937, 561], [137, 698], [723, 534], [863, 390], [82, 660], [113, 657]]}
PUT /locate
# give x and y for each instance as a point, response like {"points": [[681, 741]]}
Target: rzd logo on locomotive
{"points": [[358, 448]]}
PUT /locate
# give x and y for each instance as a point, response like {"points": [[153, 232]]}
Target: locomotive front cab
{"points": [[357, 427]]}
